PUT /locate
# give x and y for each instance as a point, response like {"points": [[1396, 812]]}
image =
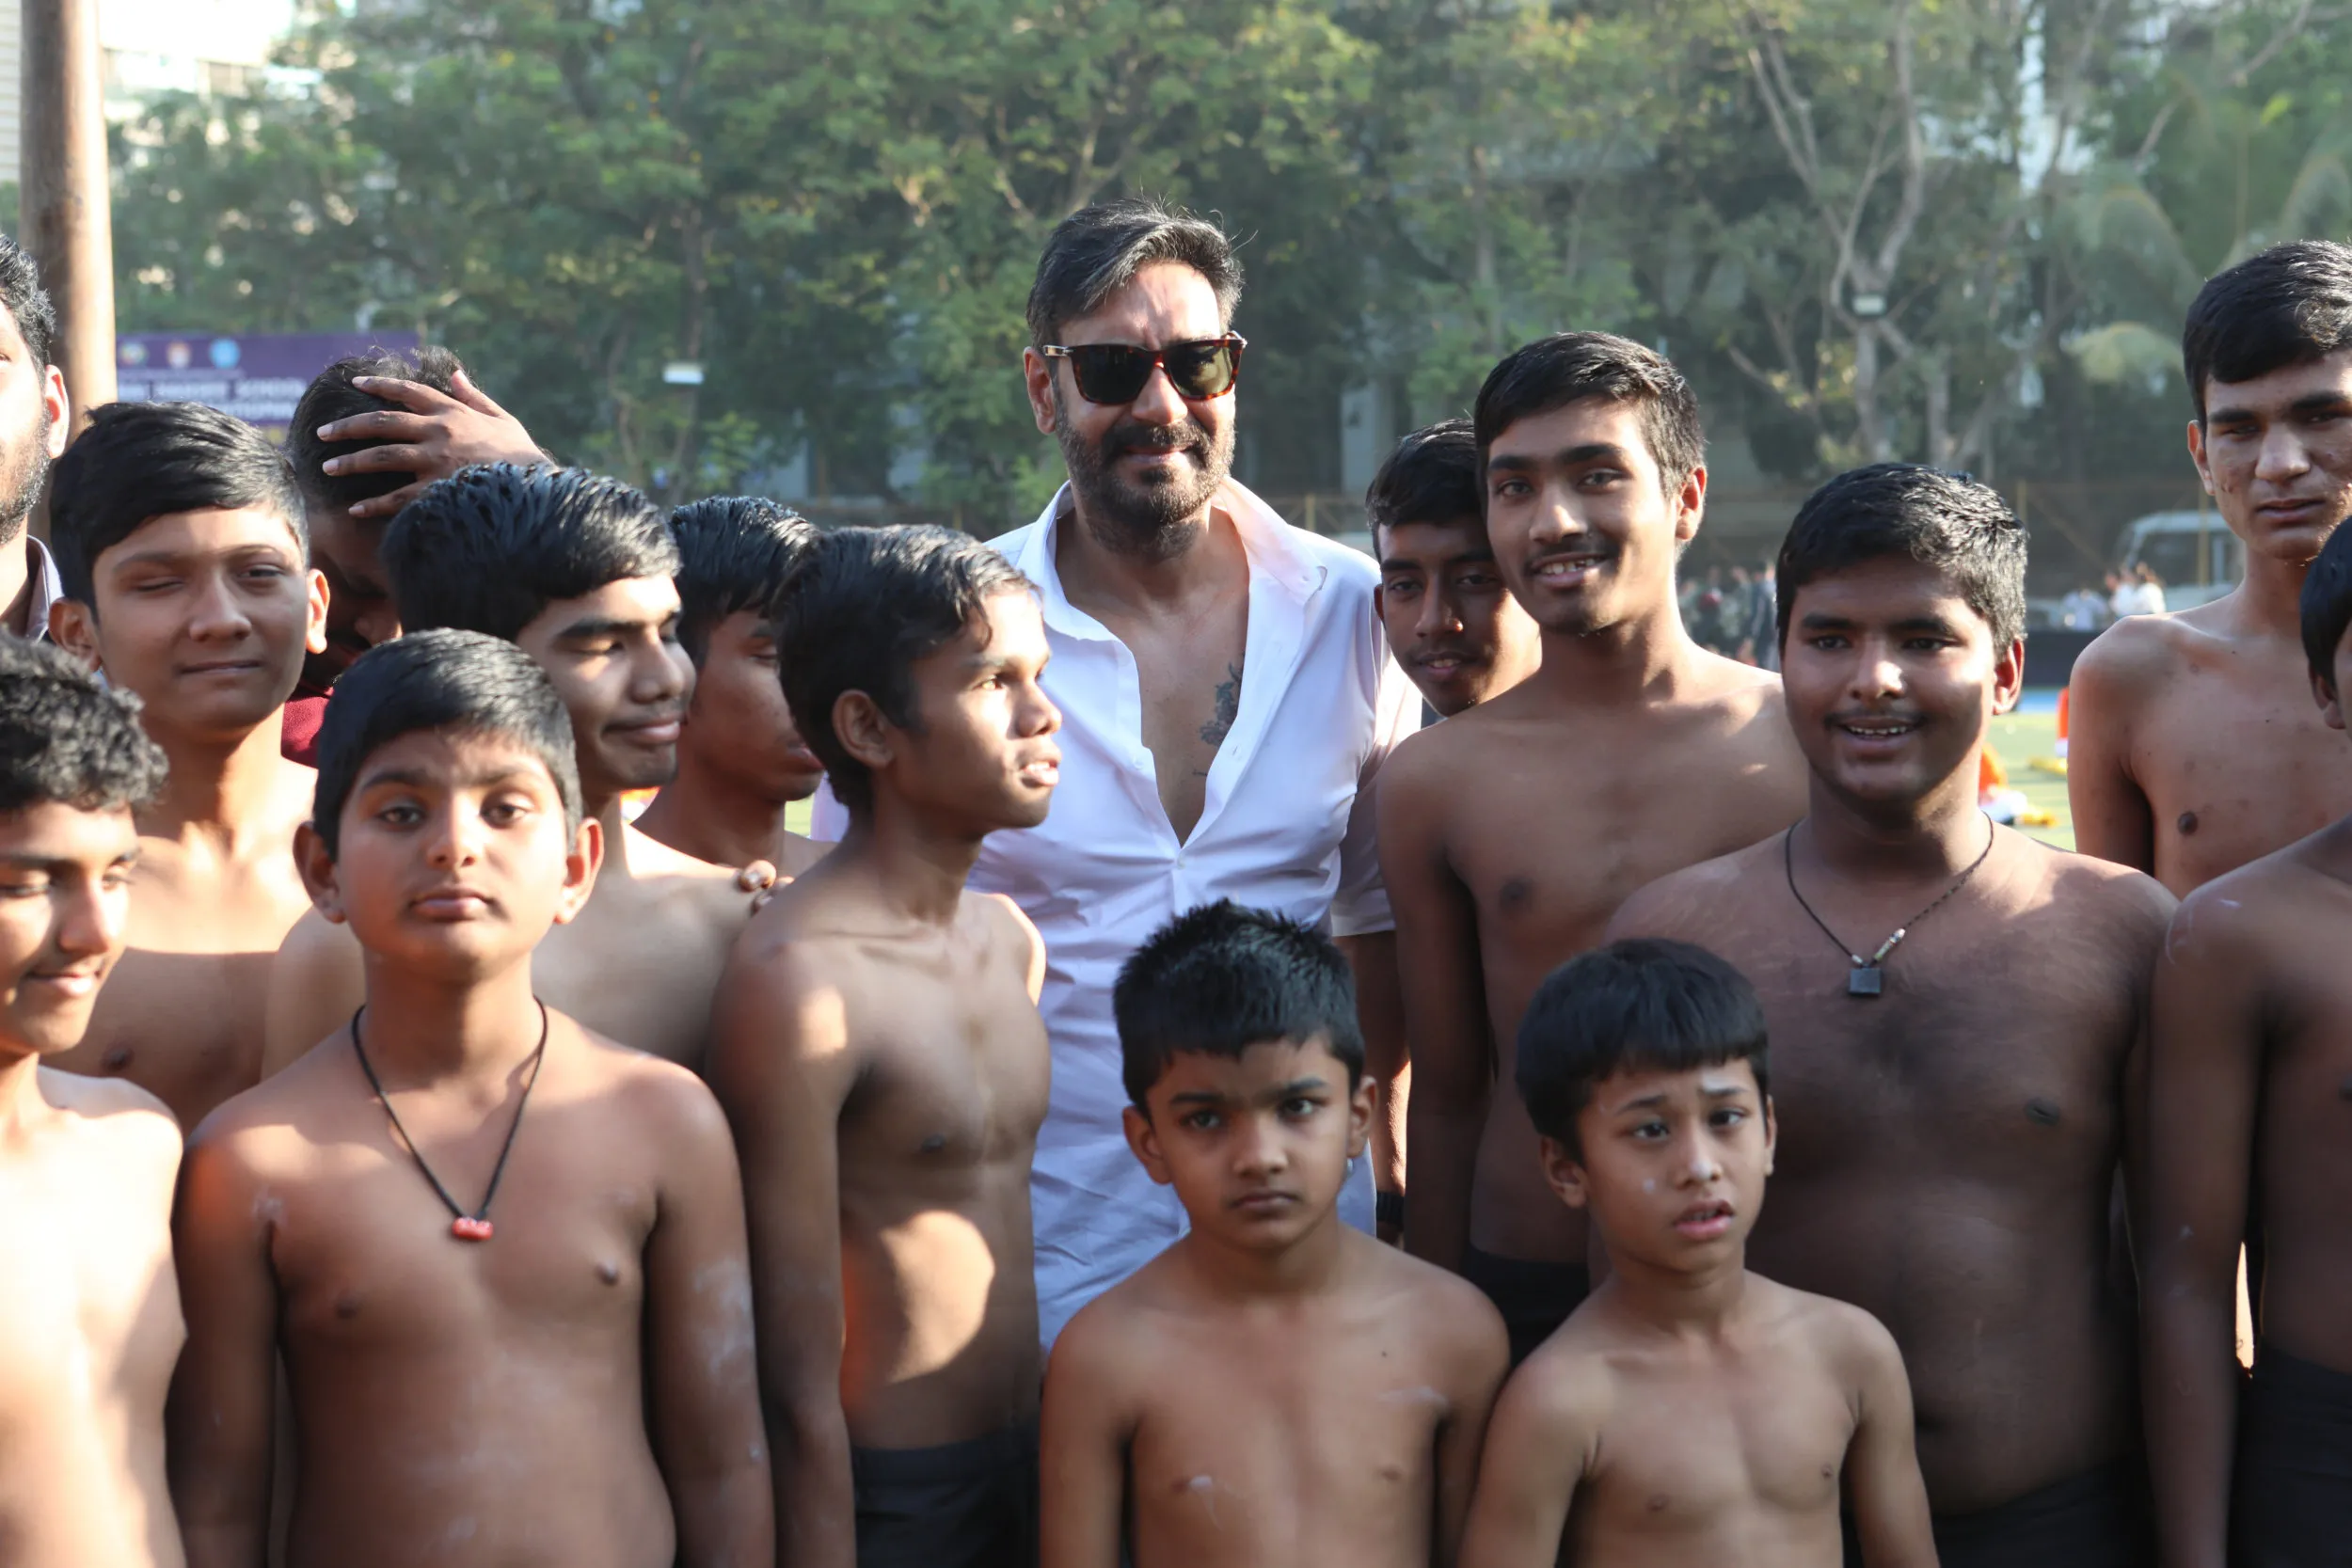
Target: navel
{"points": [[117, 1059], [2042, 1111], [347, 1305], [936, 1142], [2187, 823]]}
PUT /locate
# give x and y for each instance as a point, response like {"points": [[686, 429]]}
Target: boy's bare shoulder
{"points": [[114, 1116], [1448, 1312], [665, 1097], [2140, 903], [274, 1123], [1843, 1336], [1692, 898], [2137, 655]]}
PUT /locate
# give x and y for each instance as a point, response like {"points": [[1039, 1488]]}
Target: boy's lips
{"points": [[1267, 1202], [649, 732], [71, 982], [453, 903], [1704, 1222]]}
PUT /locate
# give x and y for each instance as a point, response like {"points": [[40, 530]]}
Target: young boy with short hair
{"points": [[180, 538], [501, 1257], [739, 761], [1689, 1412], [89, 1318], [1275, 1386], [1450, 621], [577, 570], [880, 1055]]}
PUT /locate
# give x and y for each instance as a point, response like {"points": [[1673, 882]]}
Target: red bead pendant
{"points": [[467, 1228]]}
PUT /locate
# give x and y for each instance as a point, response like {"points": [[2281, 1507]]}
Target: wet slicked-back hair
{"points": [[1642, 1005], [27, 302], [490, 546], [1432, 476], [1569, 367], [856, 612], [2327, 605], [461, 682], [68, 739], [143, 460], [734, 553], [1096, 251], [332, 396], [1222, 979], [2290, 304], [1945, 520]]}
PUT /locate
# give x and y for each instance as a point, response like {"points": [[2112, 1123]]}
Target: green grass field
{"points": [[2018, 737]]}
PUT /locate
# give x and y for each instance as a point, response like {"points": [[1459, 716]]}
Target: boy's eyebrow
{"points": [[1567, 457], [417, 778], [608, 626], [160, 557]]}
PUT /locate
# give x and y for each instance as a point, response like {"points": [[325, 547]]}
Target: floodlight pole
{"points": [[65, 217]]}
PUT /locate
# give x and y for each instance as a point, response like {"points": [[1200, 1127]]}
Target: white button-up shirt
{"points": [[1286, 825]]}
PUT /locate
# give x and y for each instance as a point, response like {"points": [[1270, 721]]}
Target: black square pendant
{"points": [[1865, 980]]}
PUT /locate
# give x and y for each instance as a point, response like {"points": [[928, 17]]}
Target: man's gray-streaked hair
{"points": [[1097, 250]]}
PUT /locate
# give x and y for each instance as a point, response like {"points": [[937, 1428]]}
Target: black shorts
{"points": [[2294, 1502], [2099, 1519], [1534, 1298], [961, 1505]]}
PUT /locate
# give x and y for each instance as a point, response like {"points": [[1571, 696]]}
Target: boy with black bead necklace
{"points": [[502, 1258]]}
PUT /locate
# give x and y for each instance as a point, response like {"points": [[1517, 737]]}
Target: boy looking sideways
{"points": [[90, 1315], [2249, 1078], [1451, 622], [1689, 1412], [501, 1257], [577, 571], [739, 761], [1275, 1386], [179, 535], [879, 1052], [1957, 1013]]}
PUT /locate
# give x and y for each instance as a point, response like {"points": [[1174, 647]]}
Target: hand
{"points": [[431, 434]]}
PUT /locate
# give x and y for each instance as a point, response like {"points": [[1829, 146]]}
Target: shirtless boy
{"points": [[1689, 1412], [577, 570], [89, 1316], [1951, 1066], [1509, 837], [1451, 623], [180, 539], [1276, 1388], [880, 1053], [501, 1257], [739, 761], [2249, 1060], [2195, 746]]}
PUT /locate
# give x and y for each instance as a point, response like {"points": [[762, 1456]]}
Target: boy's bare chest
{"points": [[643, 978], [1703, 1455], [185, 1027], [89, 1310], [2235, 767], [956, 1064]]}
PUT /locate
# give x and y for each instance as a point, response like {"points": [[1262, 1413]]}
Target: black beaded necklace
{"points": [[475, 1226]]}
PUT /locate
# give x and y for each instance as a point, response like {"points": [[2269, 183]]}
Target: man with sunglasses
{"points": [[1226, 693]]}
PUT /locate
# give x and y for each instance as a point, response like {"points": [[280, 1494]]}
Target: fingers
{"points": [[387, 505], [384, 425], [413, 395], [472, 396], [756, 877], [392, 459]]}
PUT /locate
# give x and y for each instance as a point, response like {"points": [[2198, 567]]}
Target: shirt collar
{"points": [[48, 587], [1276, 558]]}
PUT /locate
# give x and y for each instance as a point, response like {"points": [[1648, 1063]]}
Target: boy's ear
{"points": [[318, 873], [2323, 692], [1564, 1171], [1363, 1103], [2008, 676], [1690, 504], [314, 629], [73, 626], [1771, 1133], [581, 864], [1145, 1140], [859, 724]]}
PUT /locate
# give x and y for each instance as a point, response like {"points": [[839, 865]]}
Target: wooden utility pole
{"points": [[65, 222]]}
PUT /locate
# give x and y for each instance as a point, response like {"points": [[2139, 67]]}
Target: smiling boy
{"points": [[89, 1316], [1689, 1412], [1451, 623], [1957, 1010], [501, 1258], [575, 570], [180, 538], [1275, 1386], [1509, 835]]}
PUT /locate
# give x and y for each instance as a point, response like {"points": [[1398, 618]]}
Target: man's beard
{"points": [[1154, 520], [24, 469]]}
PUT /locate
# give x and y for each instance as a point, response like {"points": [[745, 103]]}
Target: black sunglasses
{"points": [[1114, 374]]}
